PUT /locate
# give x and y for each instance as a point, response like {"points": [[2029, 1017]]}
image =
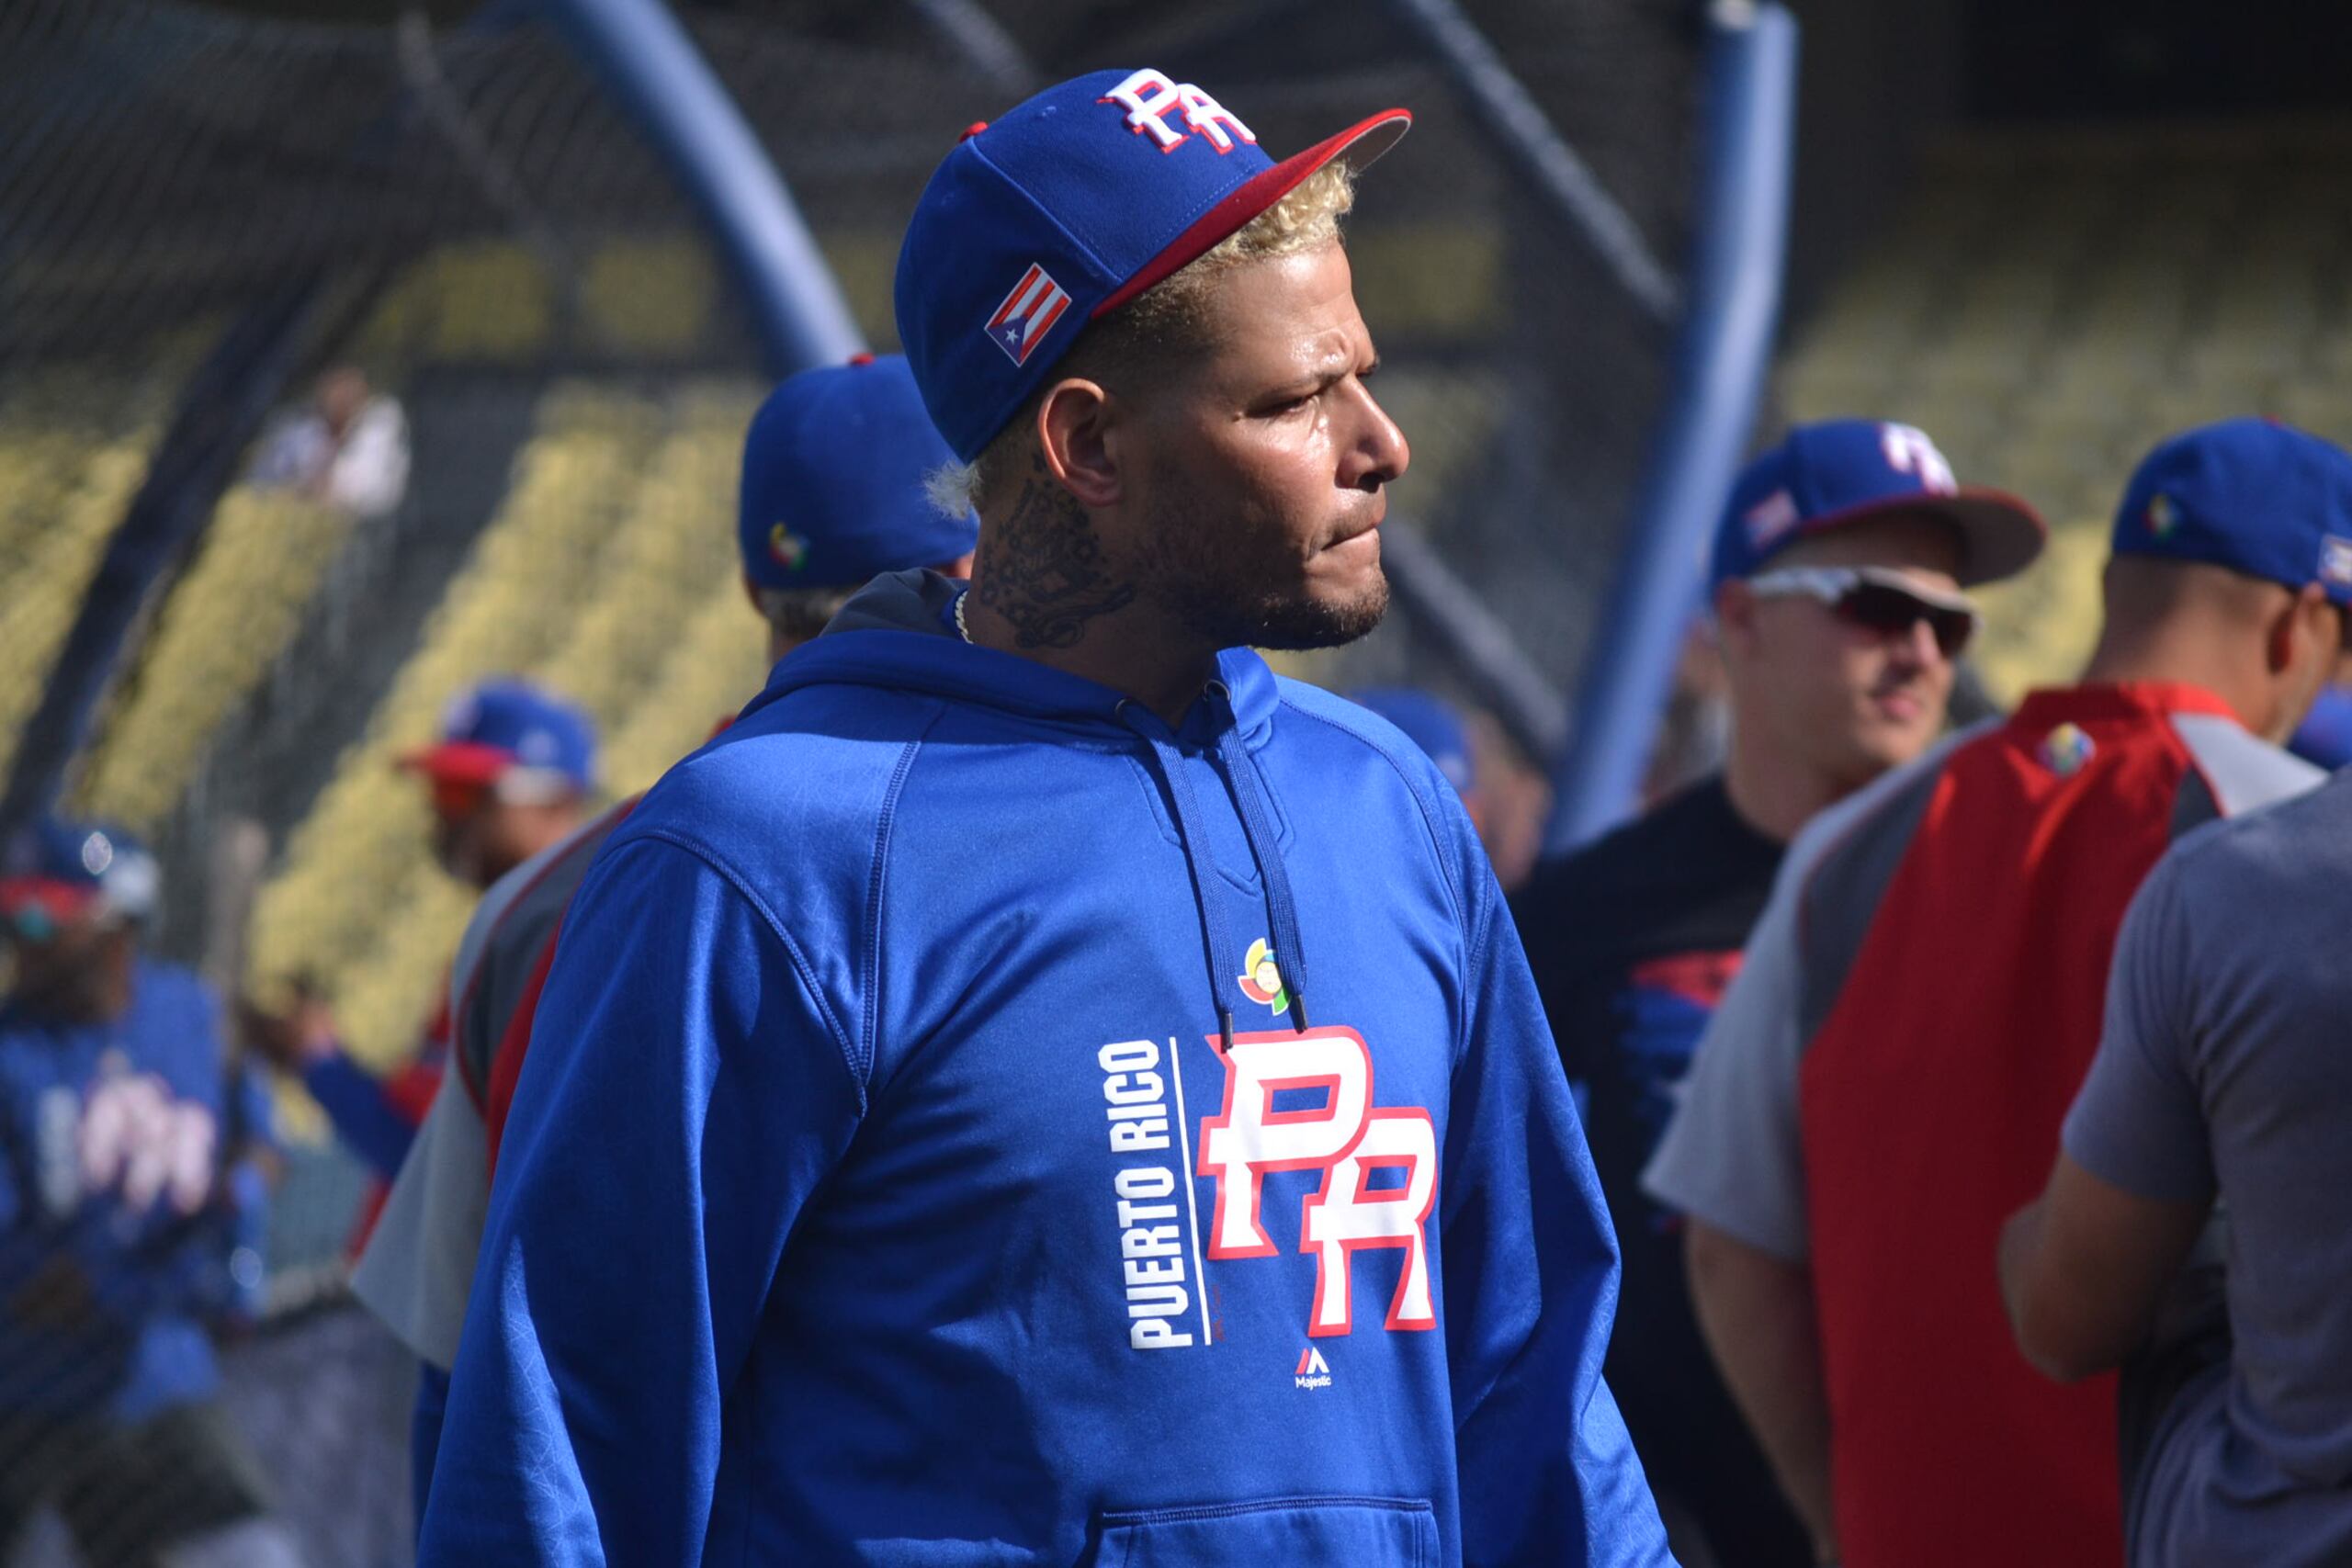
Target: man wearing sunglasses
{"points": [[134, 1198], [510, 776], [1838, 590], [1884, 1083]]}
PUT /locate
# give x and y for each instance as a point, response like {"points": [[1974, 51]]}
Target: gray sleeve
{"points": [[1732, 1156], [2137, 1121], [419, 1264]]}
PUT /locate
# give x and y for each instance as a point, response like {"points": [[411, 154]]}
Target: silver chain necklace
{"points": [[961, 629]]}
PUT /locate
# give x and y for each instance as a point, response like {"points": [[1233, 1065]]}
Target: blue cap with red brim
{"points": [[1066, 209]]}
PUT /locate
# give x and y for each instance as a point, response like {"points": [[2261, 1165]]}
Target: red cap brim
{"points": [[1359, 145], [64, 901], [460, 762]]}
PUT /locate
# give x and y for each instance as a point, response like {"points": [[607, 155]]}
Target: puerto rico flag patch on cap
{"points": [[1027, 314], [2335, 560]]}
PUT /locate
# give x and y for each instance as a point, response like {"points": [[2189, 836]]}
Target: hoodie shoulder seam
{"points": [[878, 878], [1454, 874], [854, 1061], [1445, 857]]}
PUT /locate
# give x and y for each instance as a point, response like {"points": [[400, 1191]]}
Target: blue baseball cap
{"points": [[1841, 471], [833, 470], [2253, 495], [1066, 209], [57, 871], [533, 746], [1431, 723]]}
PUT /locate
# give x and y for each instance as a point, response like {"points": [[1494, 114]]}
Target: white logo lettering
{"points": [[1151, 1248], [1147, 96], [1346, 1139], [135, 1136], [1908, 451]]}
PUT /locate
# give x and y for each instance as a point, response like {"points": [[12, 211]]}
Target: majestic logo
{"points": [[1147, 96], [1262, 979], [1313, 1371], [1027, 314], [1908, 451], [786, 549], [2335, 560], [1348, 1140], [2163, 516]]}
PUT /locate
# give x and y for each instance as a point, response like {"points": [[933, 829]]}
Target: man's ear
{"points": [[2308, 616], [1736, 616], [1075, 420]]}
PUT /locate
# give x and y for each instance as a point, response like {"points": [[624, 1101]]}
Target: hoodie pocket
{"points": [[1346, 1532]]}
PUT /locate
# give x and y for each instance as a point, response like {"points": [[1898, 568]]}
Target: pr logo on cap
{"points": [[1908, 451], [2163, 516], [1027, 314], [1147, 95]]}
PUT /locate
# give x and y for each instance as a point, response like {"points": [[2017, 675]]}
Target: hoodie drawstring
{"points": [[1189, 829], [1256, 826]]}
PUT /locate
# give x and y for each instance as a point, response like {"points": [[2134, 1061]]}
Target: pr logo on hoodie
{"points": [[1348, 1140]]}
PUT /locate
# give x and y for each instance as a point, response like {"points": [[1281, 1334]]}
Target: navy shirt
{"points": [[1633, 940]]}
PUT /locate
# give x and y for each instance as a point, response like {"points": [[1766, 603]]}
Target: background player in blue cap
{"points": [[833, 492], [1082, 1096], [133, 1197], [1883, 1081], [511, 775], [1837, 582], [836, 467]]}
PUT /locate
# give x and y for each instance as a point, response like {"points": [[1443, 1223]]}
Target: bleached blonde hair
{"points": [[1171, 317]]}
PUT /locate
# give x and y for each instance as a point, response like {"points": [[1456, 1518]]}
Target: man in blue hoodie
{"points": [[1040, 1088], [132, 1207]]}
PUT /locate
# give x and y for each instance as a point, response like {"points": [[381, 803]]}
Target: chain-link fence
{"points": [[557, 370]]}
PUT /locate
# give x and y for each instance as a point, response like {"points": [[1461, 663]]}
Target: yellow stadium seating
{"points": [[610, 574], [2052, 303]]}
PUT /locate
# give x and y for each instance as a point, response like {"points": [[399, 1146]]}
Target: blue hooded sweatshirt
{"points": [[122, 1154], [970, 1123]]}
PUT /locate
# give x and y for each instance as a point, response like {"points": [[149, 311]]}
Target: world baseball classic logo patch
{"points": [[1027, 314]]}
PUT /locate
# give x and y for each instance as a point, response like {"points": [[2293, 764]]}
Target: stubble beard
{"points": [[1205, 574]]}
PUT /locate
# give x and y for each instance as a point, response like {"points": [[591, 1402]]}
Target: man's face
{"points": [[1841, 698], [478, 837], [342, 394], [1261, 470], [80, 973]]}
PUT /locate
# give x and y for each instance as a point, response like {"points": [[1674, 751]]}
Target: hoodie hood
{"points": [[899, 633]]}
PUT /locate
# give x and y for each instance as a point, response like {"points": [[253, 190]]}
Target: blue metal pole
{"points": [[644, 55], [1726, 343]]}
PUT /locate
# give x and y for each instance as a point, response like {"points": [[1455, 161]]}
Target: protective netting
{"points": [[557, 357]]}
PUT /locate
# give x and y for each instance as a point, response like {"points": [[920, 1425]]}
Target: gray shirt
{"points": [[2225, 1070]]}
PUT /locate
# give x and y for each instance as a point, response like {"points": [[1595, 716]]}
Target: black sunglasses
{"points": [[1877, 600]]}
